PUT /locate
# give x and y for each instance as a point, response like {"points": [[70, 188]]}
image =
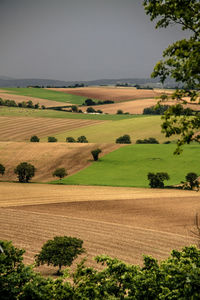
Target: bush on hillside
{"points": [[60, 172], [125, 139], [34, 139], [25, 172], [150, 140], [192, 180], [82, 139], [157, 180], [2, 169], [70, 139], [95, 153], [52, 139]]}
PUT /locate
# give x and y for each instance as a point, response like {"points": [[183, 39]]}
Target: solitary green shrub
{"points": [[70, 139], [2, 169], [74, 108], [52, 139], [61, 251], [60, 172], [192, 179], [25, 171], [95, 153], [120, 112], [82, 139], [125, 139], [156, 180], [90, 110], [34, 139]]}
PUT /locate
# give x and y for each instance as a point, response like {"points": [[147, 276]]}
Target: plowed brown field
{"points": [[19, 98], [22, 128], [110, 93], [47, 157], [120, 222]]}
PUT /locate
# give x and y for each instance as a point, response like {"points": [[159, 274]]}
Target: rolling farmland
{"points": [[110, 93], [47, 157], [120, 222], [22, 128]]}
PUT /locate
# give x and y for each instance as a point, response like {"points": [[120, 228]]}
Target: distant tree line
{"points": [[12, 103], [161, 109], [90, 102]]}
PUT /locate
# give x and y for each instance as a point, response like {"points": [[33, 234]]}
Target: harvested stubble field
{"points": [[47, 157], [110, 93], [19, 98], [22, 128], [120, 222]]}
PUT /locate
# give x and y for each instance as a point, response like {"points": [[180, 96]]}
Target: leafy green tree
{"points": [[95, 153], [70, 139], [124, 139], [60, 172], [156, 180], [181, 62], [192, 179], [2, 169], [52, 139], [74, 108], [34, 139], [25, 171], [82, 139], [61, 251], [13, 273], [120, 112]]}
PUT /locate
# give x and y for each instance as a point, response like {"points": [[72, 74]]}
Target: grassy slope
{"points": [[47, 94], [137, 128], [47, 113], [129, 166]]}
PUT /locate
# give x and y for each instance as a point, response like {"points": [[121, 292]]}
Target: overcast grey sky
{"points": [[79, 39]]}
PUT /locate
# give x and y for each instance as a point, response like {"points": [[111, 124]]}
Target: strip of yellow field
{"points": [[16, 194]]}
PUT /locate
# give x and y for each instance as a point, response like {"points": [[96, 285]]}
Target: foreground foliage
{"points": [[174, 278], [181, 62]]}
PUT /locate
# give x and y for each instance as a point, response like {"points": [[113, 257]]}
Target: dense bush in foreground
{"points": [[174, 278]]}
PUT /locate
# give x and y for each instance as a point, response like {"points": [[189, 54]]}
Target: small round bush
{"points": [[52, 139], [34, 139], [70, 139]]}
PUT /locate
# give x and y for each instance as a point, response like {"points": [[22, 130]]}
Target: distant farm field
{"points": [[107, 132], [46, 94], [22, 128], [5, 95], [49, 113], [129, 166], [47, 157], [110, 93], [120, 222]]}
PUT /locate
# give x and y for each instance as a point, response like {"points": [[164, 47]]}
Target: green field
{"points": [[129, 166], [48, 113], [47, 94], [107, 132]]}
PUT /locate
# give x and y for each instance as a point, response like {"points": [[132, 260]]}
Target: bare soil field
{"points": [[110, 93], [18, 98], [47, 157], [120, 222], [135, 106], [22, 128]]}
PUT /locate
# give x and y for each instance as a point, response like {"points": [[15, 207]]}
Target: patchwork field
{"points": [[138, 128], [46, 94], [5, 95], [120, 222], [129, 166], [109, 93], [22, 128], [47, 157]]}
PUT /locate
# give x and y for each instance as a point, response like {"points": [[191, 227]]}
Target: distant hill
{"points": [[10, 82]]}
